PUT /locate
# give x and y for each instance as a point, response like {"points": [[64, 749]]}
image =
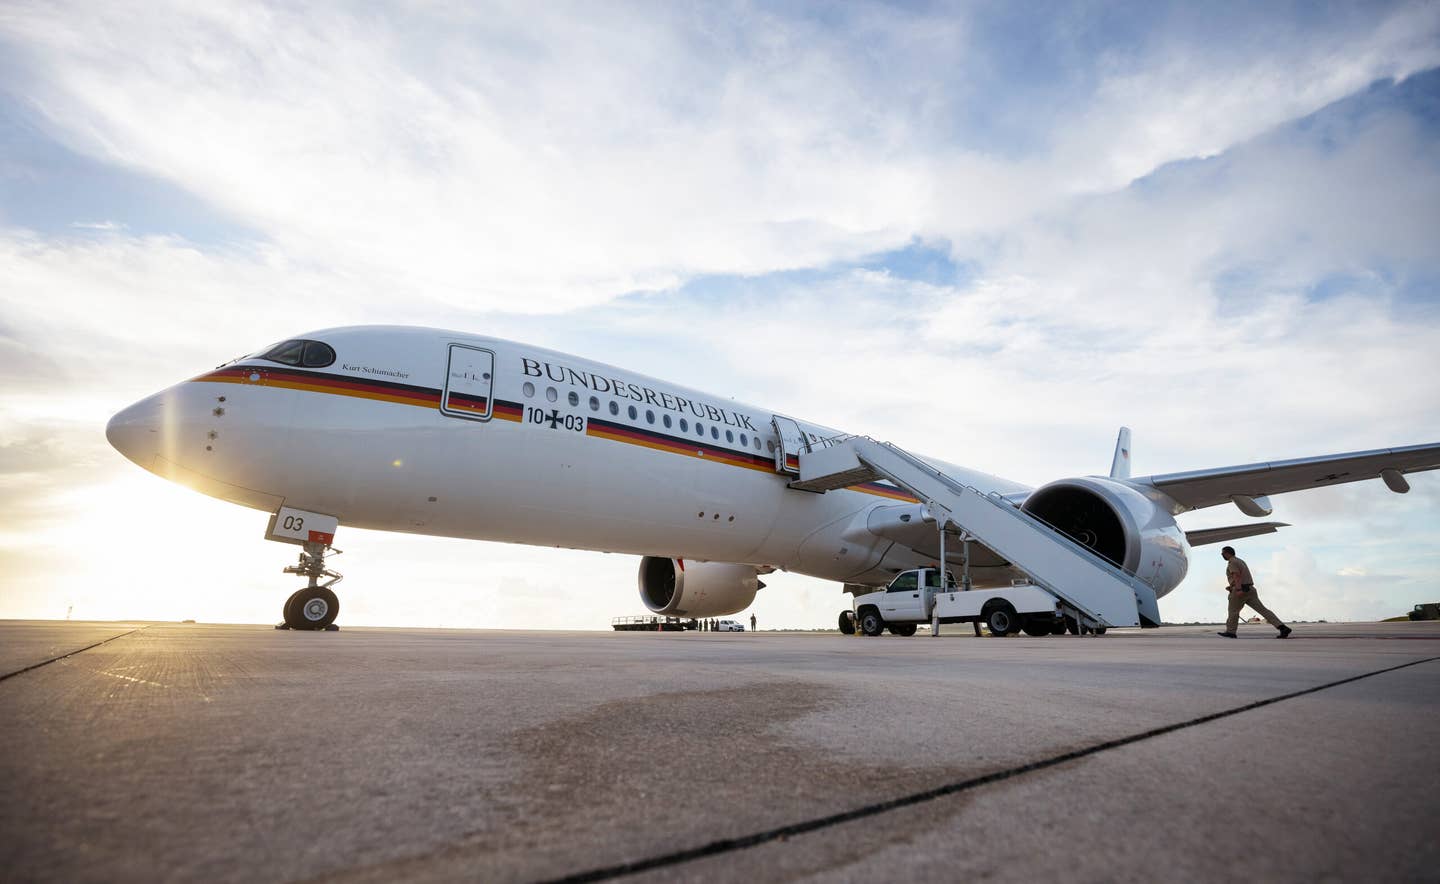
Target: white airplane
{"points": [[444, 433]]}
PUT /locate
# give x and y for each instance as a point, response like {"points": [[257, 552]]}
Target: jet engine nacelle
{"points": [[677, 588], [1119, 523]]}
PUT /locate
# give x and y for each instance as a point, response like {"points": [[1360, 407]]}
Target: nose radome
{"points": [[135, 431]]}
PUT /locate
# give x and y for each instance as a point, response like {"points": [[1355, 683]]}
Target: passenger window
{"points": [[699, 429], [665, 418], [574, 398], [528, 390], [730, 436], [632, 412], [649, 416], [744, 441], [684, 425], [614, 407], [757, 443], [770, 446], [594, 403], [715, 433], [551, 394]]}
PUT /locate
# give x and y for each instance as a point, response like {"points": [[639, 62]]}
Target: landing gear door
{"points": [[469, 378], [792, 445]]}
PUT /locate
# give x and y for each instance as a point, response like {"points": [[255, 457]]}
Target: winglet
{"points": [[1120, 466]]}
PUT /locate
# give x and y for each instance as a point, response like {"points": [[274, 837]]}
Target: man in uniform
{"points": [[752, 622], [1242, 593]]}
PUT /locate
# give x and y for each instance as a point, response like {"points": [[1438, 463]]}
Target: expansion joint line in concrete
{"points": [[70, 653], [729, 845]]}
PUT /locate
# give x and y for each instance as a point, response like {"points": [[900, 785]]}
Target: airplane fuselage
{"points": [[402, 433]]}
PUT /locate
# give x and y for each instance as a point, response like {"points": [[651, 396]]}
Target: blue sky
{"points": [[990, 232]]}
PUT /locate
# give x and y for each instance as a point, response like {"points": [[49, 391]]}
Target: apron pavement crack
{"points": [[106, 641], [729, 845]]}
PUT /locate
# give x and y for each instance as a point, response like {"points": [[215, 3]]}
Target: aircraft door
{"points": [[792, 444], [469, 379]]}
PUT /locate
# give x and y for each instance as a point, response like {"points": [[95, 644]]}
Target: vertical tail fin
{"points": [[1120, 466]]}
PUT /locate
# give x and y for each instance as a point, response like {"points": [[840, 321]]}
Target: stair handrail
{"points": [[1088, 554]]}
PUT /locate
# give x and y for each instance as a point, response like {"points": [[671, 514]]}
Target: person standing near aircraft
{"points": [[752, 621], [1242, 593]]}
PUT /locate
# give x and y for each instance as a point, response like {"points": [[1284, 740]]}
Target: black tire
{"points": [[871, 623], [315, 608], [847, 622], [1035, 627], [1001, 619], [902, 629], [292, 610], [1071, 626], [1100, 630]]}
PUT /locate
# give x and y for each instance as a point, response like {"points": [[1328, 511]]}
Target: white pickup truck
{"points": [[914, 595]]}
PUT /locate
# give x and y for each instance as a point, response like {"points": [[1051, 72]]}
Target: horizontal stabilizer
{"points": [[1232, 532]]}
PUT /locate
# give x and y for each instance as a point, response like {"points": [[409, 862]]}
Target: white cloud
{"points": [[551, 157]]}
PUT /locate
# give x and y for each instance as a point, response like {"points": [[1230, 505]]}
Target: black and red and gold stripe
{"points": [[428, 397], [603, 429]]}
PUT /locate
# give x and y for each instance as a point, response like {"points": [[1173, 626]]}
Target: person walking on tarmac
{"points": [[1242, 592]]}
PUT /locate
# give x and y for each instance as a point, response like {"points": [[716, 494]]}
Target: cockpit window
{"points": [[311, 354], [318, 355]]}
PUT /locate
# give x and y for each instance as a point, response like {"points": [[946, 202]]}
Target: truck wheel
{"points": [[847, 622], [871, 623], [1099, 630], [1035, 627], [905, 629], [1071, 626], [1001, 619]]}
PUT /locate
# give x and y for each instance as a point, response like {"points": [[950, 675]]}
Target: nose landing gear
{"points": [[316, 606]]}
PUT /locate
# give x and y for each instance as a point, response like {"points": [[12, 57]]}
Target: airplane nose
{"points": [[135, 431]]}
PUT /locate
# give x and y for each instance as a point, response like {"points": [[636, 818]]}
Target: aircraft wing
{"points": [[1202, 488]]}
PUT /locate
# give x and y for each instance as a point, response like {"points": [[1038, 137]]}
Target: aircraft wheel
{"points": [[847, 622], [316, 608], [903, 629], [871, 623], [1002, 620], [292, 610]]}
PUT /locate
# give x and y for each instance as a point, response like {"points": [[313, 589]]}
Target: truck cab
{"points": [[903, 603]]}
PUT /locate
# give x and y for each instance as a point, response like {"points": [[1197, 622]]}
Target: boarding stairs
{"points": [[1070, 571]]}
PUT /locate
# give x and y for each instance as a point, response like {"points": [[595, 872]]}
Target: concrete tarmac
{"points": [[239, 753]]}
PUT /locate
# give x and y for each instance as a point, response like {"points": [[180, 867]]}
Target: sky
{"points": [[991, 233]]}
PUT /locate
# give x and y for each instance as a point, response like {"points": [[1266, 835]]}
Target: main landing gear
{"points": [[316, 606]]}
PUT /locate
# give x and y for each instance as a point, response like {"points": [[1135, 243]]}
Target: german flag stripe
{"points": [[604, 429], [889, 491], [428, 397], [322, 381], [508, 411]]}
